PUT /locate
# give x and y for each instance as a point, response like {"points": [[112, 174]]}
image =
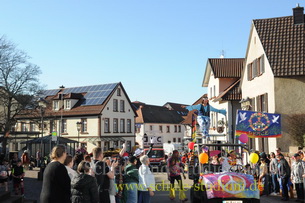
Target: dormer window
{"points": [[68, 104], [55, 105]]}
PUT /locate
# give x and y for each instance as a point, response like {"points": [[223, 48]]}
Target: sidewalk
{"points": [[32, 186]]}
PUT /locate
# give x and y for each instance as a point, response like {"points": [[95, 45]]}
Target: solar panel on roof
{"points": [[95, 94], [50, 92]]}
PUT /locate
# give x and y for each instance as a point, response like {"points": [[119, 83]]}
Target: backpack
{"points": [[99, 177]]}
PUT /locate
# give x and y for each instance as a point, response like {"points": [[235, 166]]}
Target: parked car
{"points": [[156, 157]]}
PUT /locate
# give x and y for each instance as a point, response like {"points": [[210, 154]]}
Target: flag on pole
{"points": [[193, 128]]}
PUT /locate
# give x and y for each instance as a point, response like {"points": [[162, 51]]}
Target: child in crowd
{"points": [[18, 174]]}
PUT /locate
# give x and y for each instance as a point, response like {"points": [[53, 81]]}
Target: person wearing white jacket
{"points": [[146, 185]]}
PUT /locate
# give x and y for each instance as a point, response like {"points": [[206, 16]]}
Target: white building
{"points": [[222, 77], [159, 122], [103, 112], [274, 73]]}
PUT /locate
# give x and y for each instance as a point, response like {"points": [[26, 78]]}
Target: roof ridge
{"points": [[272, 18]]}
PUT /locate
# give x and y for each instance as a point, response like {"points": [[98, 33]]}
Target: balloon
{"points": [[191, 145], [243, 138], [214, 153], [253, 158], [203, 158]]}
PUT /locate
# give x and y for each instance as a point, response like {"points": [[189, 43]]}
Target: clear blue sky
{"points": [[157, 48]]}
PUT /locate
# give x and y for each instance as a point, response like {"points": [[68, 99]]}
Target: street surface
{"points": [[33, 189]]}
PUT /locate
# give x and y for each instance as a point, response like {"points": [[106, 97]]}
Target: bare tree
{"points": [[19, 84]]}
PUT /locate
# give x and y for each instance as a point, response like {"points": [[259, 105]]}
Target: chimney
{"points": [[298, 15]]}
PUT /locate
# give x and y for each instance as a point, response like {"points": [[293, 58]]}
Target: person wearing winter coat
{"points": [[298, 173], [146, 181], [284, 173], [84, 186], [131, 180]]}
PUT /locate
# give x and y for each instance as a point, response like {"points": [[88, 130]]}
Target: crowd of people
{"points": [[14, 170], [127, 177], [275, 173], [281, 174], [94, 178]]}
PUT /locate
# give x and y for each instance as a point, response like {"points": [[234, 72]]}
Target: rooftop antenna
{"points": [[222, 55]]}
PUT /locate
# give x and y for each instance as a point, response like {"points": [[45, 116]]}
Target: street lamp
{"points": [[42, 103], [61, 111], [78, 125]]}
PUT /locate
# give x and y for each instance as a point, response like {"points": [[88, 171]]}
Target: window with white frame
{"points": [[168, 129], [150, 127], [23, 127], [118, 92], [84, 125], [179, 128], [175, 128], [122, 125], [115, 125], [32, 126], [52, 126], [67, 104], [115, 105], [64, 126], [160, 129], [122, 106], [129, 125], [106, 125], [55, 105]]}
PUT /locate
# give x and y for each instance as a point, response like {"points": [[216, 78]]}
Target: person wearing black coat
{"points": [[56, 186], [284, 173], [84, 186]]}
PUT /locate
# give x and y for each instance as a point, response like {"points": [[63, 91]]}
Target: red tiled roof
{"points": [[227, 67], [284, 44]]}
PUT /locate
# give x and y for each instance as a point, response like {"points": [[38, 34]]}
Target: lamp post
{"points": [[78, 125], [42, 103], [61, 110]]}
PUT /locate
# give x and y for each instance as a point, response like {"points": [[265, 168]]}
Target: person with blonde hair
{"points": [[146, 181], [56, 186]]}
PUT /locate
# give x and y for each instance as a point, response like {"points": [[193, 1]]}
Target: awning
{"points": [[105, 139], [47, 139]]}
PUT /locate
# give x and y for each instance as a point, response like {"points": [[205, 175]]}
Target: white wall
{"points": [[261, 84], [145, 128]]}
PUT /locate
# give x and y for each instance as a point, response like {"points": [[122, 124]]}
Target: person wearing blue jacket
{"points": [[203, 117]]}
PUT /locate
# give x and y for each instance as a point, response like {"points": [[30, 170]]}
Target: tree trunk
{"points": [[4, 143]]}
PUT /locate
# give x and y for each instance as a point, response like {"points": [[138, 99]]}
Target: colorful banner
{"points": [[258, 124], [230, 185]]}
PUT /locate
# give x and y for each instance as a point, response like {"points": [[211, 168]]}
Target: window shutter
{"points": [[249, 72], [266, 102], [262, 65], [254, 68], [258, 103]]}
